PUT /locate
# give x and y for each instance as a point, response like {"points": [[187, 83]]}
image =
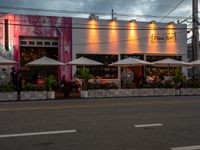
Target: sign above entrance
{"points": [[161, 38]]}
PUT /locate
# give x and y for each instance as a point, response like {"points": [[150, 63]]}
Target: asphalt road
{"points": [[148, 123]]}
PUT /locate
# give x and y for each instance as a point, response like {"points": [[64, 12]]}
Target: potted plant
{"points": [[50, 82], [179, 79], [85, 75], [8, 92]]}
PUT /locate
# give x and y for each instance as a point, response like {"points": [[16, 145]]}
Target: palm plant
{"points": [[85, 75], [50, 82]]}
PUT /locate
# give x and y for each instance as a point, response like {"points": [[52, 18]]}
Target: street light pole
{"points": [[195, 36]]}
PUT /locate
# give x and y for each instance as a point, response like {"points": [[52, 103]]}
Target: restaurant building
{"points": [[110, 40], [25, 38]]}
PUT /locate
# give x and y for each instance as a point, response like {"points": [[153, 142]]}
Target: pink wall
{"points": [[44, 27]]}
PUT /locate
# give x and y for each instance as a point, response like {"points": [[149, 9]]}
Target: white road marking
{"points": [[197, 147], [37, 133], [148, 125]]}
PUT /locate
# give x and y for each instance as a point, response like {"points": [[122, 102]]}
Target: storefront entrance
{"points": [[32, 49]]}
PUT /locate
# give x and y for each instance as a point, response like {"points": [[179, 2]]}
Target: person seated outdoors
{"points": [[77, 83], [98, 80], [65, 86]]}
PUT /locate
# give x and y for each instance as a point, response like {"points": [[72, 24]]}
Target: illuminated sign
{"points": [[160, 38]]}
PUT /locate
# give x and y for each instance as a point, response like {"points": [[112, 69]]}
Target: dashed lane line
{"points": [[148, 125], [37, 133], [196, 147]]}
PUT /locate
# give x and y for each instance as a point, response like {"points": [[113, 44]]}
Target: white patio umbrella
{"points": [[4, 61], [82, 61], [195, 63], [45, 61], [128, 62], [168, 62]]}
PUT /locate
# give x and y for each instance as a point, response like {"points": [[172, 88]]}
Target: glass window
{"points": [[160, 71], [54, 43], [104, 71], [47, 43], [23, 42], [31, 42], [40, 43]]}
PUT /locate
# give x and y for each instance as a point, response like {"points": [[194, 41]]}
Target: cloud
{"points": [[139, 7]]}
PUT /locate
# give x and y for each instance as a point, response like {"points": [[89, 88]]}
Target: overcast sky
{"points": [[104, 7]]}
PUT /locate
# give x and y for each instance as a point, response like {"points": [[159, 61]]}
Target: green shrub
{"points": [[84, 74], [168, 84], [7, 88], [193, 84], [147, 85], [50, 82], [29, 87], [33, 87], [178, 76]]}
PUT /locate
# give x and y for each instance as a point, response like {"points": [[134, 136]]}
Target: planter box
{"points": [[8, 96], [125, 92], [144, 92], [120, 93], [84, 94], [165, 92], [50, 95], [177, 92], [99, 93], [107, 93], [139, 92], [190, 91], [33, 95]]}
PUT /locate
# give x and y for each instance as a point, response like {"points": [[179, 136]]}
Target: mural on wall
{"points": [[45, 27], [1, 37], [1, 32], [3, 52]]}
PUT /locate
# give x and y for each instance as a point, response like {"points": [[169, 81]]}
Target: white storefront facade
{"points": [[110, 40]]}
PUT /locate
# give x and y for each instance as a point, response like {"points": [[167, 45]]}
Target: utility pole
{"points": [[195, 36], [113, 15]]}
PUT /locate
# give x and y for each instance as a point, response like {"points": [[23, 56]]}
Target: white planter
{"points": [[8, 96], [177, 92], [165, 92], [33, 95], [50, 94], [190, 91], [124, 93], [144, 92], [100, 93], [84, 94], [110, 93]]}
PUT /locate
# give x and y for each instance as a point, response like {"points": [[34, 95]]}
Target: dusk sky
{"points": [[130, 8]]}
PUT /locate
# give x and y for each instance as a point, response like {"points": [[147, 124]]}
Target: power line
{"points": [[96, 28], [87, 12], [60, 25], [101, 28], [83, 28], [172, 10]]}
